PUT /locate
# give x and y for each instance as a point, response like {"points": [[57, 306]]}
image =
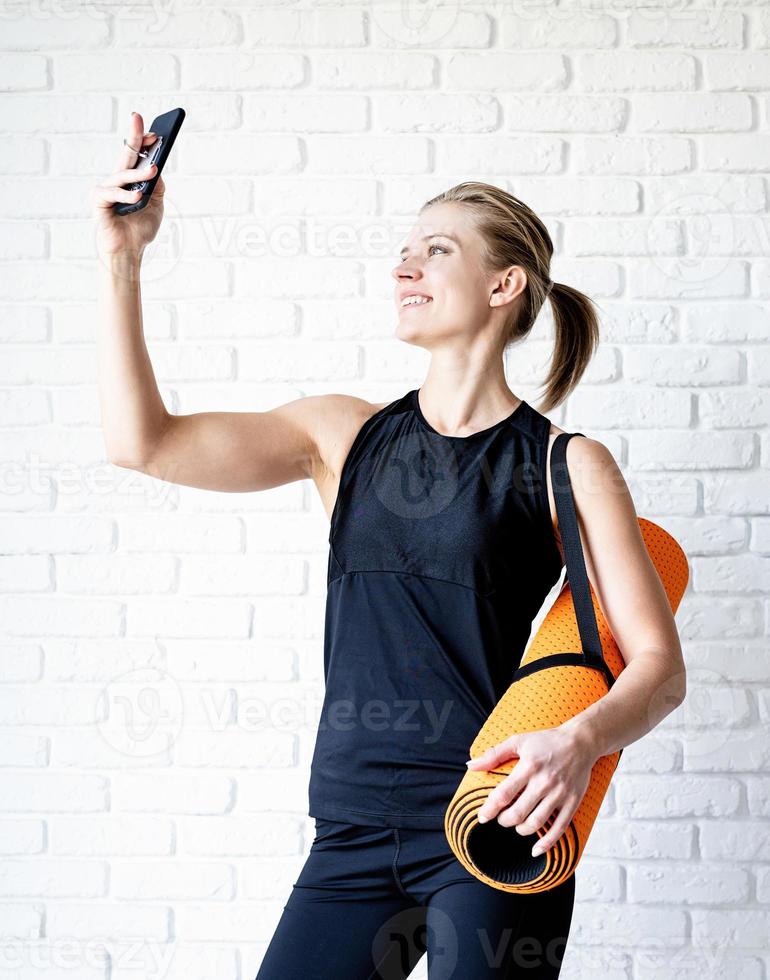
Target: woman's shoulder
{"points": [[337, 420]]}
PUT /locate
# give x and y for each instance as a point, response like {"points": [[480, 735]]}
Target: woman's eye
{"points": [[430, 249]]}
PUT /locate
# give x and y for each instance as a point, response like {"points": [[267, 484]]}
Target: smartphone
{"points": [[166, 126]]}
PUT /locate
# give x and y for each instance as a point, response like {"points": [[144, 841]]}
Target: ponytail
{"points": [[576, 337]]}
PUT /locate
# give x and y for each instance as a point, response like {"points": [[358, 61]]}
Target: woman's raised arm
{"points": [[237, 451], [231, 451]]}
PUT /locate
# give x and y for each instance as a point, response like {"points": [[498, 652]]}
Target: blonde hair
{"points": [[514, 235]]}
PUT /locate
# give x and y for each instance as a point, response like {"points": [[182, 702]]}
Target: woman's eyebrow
{"points": [[436, 234]]}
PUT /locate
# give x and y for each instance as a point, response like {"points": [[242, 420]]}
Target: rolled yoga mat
{"points": [[549, 687]]}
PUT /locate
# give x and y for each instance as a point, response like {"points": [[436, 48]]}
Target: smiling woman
{"points": [[469, 237], [443, 545]]}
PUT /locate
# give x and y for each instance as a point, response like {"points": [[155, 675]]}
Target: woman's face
{"points": [[441, 260]]}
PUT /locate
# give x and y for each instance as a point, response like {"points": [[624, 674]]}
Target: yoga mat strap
{"points": [[577, 576]]}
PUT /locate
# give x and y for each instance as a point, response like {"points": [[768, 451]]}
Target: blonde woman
{"points": [[443, 545]]}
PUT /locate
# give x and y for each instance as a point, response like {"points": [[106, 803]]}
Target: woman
{"points": [[443, 545]]}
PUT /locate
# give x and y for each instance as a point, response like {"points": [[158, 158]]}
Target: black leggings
{"points": [[370, 901]]}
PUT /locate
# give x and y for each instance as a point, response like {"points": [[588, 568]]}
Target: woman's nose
{"points": [[405, 270]]}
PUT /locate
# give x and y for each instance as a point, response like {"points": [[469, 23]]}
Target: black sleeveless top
{"points": [[441, 552]]}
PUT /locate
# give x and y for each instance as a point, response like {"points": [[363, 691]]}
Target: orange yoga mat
{"points": [[553, 683]]}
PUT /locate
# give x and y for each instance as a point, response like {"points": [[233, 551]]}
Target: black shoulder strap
{"points": [[574, 558]]}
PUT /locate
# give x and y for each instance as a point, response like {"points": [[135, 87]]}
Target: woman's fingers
{"points": [[121, 177], [503, 795], [537, 817], [135, 137], [105, 197], [113, 188], [560, 824]]}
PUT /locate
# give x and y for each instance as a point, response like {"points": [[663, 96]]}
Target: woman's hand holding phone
{"points": [[129, 233]]}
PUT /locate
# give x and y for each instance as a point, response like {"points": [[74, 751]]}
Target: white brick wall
{"points": [[161, 647]]}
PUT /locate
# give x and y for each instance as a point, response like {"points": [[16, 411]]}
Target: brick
{"points": [[196, 792], [172, 880], [51, 878]]}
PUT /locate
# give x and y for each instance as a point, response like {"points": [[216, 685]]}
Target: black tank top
{"points": [[441, 552]]}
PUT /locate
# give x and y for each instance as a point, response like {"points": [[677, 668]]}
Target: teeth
{"points": [[415, 300]]}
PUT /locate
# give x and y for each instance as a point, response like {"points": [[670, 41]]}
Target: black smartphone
{"points": [[166, 126]]}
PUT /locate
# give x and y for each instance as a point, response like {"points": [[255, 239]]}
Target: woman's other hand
{"points": [[129, 232], [551, 776]]}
